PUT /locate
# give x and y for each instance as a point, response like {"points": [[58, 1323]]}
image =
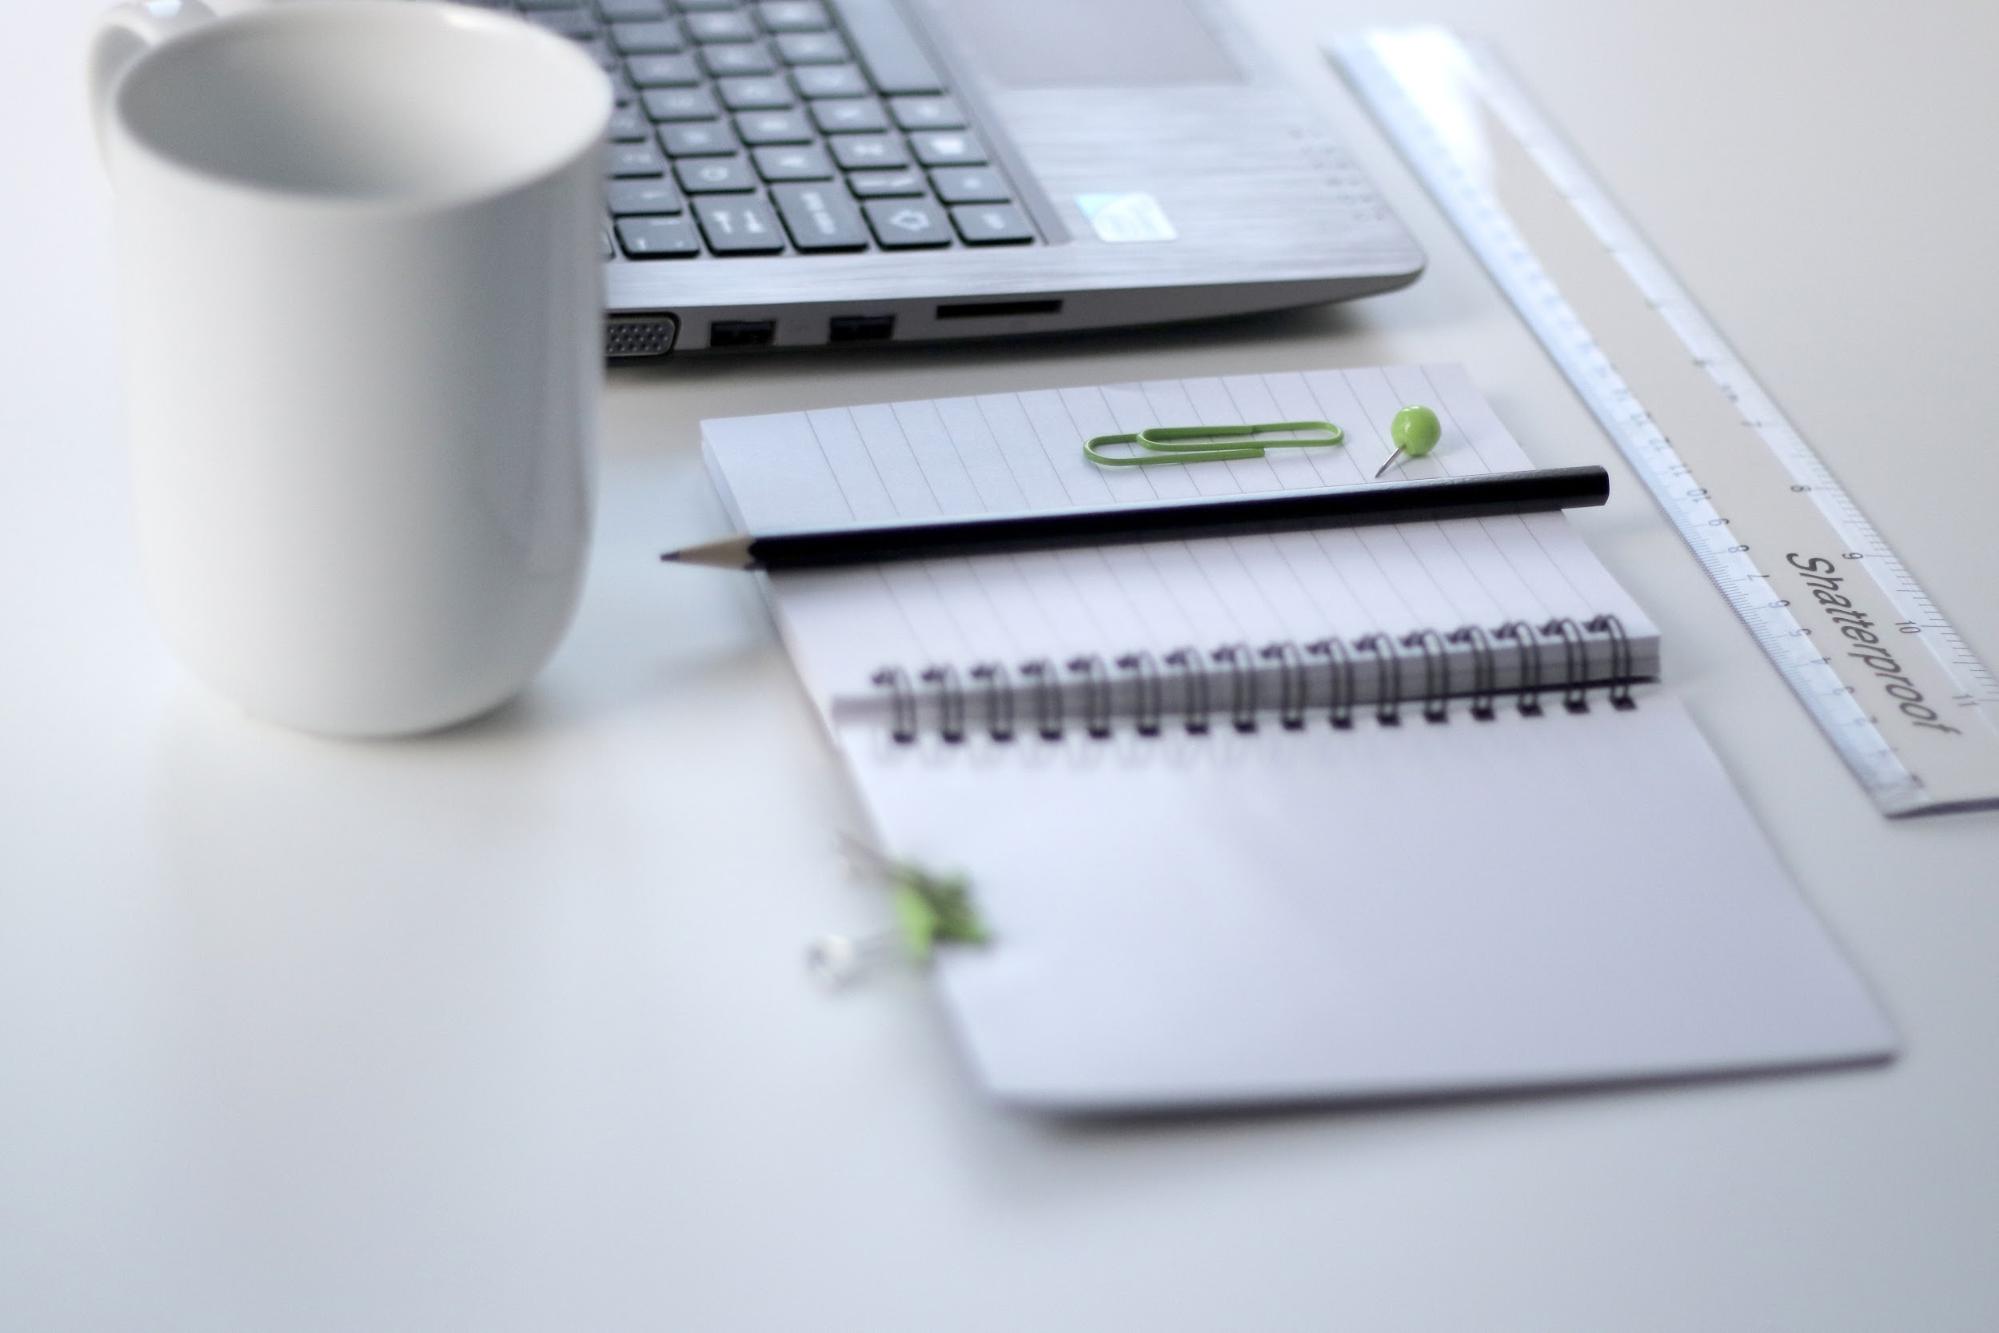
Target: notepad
{"points": [[1375, 812], [1006, 453]]}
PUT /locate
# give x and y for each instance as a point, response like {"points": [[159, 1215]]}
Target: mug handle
{"points": [[123, 35]]}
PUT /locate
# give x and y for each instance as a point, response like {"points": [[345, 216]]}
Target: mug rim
{"points": [[306, 13]]}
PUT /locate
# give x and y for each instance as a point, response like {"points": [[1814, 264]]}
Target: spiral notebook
{"points": [[1376, 812]]}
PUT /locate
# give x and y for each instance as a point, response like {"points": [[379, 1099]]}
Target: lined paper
{"points": [[1185, 919], [1009, 453], [1227, 918]]}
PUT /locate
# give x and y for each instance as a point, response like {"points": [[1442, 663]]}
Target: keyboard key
{"points": [[793, 16], [630, 198], [739, 226], [812, 48], [577, 23], [628, 125], [849, 116], [662, 71], [767, 127], [902, 224], [946, 148], [697, 138], [667, 104], [991, 224], [634, 159], [714, 175], [860, 152], [600, 51], [926, 113], [885, 184], [743, 58], [755, 94], [970, 185], [820, 217], [696, 6], [618, 11], [891, 52], [829, 81], [807, 163], [658, 238], [658, 37], [721, 26]]}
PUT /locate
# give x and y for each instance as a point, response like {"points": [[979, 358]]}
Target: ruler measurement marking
{"points": [[1702, 338], [1938, 669]]}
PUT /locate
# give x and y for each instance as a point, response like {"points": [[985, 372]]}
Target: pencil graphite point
{"points": [[729, 553]]}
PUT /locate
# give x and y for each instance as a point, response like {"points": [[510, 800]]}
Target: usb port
{"points": [[860, 328], [742, 332]]}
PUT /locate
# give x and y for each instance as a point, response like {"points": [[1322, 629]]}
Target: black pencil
{"points": [[1165, 520]]}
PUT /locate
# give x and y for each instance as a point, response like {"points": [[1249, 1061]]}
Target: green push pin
{"points": [[1415, 431], [934, 909], [931, 909]]}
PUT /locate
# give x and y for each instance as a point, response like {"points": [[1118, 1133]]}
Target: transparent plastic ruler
{"points": [[1892, 684]]}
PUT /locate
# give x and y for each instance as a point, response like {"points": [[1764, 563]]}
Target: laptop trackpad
{"points": [[1101, 43]]}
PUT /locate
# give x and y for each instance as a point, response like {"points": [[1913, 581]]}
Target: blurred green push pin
{"points": [[931, 909], [1415, 431]]}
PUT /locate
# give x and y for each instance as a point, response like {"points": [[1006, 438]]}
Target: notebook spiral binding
{"points": [[1224, 683]]}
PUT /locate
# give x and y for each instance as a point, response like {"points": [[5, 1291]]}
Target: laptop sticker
{"points": [[1127, 217]]}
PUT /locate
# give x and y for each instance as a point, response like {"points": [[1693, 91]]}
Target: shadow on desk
{"points": [[1084, 1127]]}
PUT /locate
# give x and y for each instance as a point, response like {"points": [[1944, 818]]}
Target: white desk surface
{"points": [[507, 1029]]}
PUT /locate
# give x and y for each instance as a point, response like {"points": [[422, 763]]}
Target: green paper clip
{"points": [[1200, 444]]}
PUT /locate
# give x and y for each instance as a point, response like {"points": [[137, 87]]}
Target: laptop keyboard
{"points": [[765, 127]]}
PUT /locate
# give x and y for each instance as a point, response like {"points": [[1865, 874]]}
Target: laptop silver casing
{"points": [[1265, 211]]}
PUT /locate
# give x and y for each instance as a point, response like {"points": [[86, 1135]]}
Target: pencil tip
{"points": [[670, 556]]}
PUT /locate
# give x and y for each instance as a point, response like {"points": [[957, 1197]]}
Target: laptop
{"points": [[805, 173]]}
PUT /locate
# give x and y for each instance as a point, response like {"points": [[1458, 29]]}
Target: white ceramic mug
{"points": [[363, 322]]}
